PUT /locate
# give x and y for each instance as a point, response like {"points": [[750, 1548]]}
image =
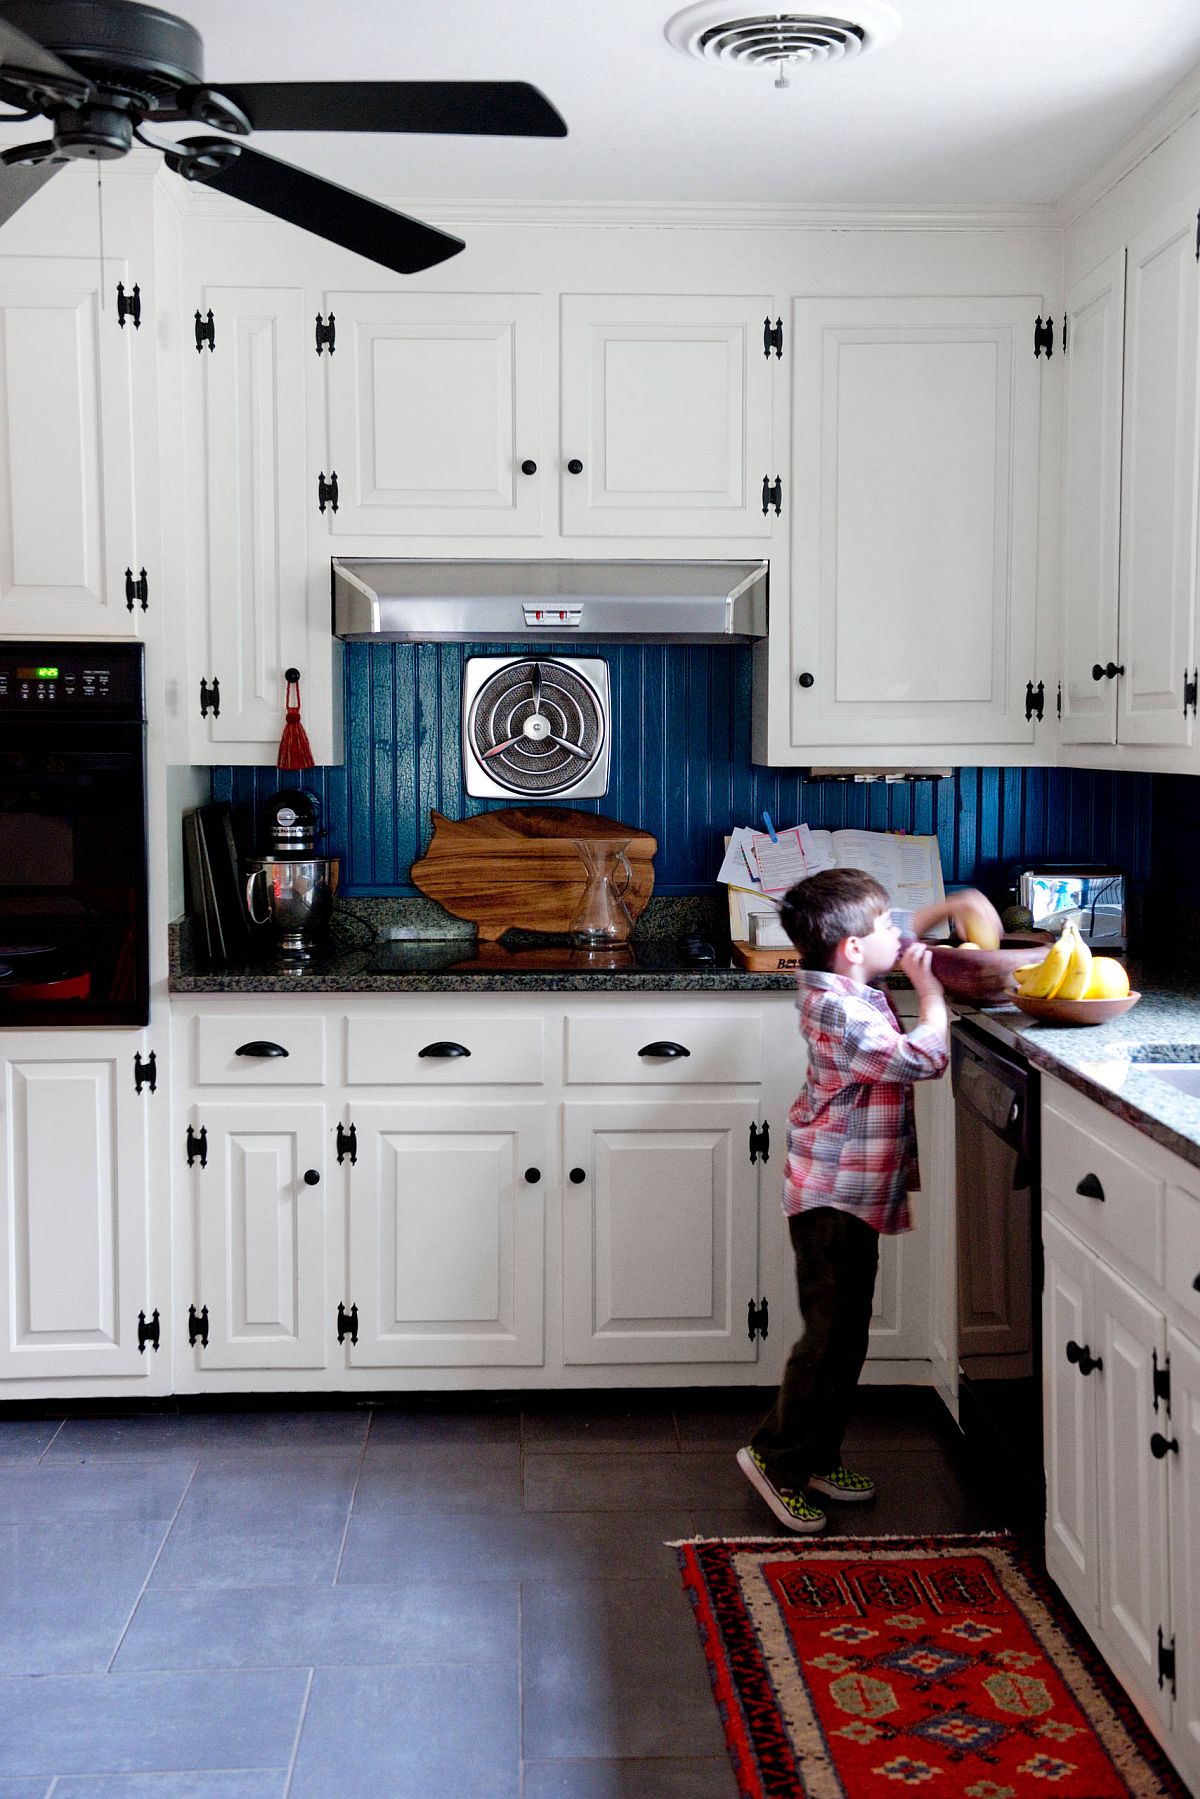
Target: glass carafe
{"points": [[602, 917]]}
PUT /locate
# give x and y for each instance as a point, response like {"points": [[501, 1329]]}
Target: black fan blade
{"points": [[466, 108], [322, 207], [21, 55], [20, 181]]}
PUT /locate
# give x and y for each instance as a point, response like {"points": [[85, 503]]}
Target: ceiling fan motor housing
{"points": [[545, 721]]}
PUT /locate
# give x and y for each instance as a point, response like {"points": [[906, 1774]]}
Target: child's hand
{"points": [[917, 964]]}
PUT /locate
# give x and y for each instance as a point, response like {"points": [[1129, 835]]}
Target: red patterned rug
{"points": [[947, 1666]]}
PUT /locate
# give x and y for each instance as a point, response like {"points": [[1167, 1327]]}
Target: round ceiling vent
{"points": [[780, 40]]}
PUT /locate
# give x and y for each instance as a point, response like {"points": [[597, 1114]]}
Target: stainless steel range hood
{"points": [[402, 599]]}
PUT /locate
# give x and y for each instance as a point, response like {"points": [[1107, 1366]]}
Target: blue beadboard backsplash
{"points": [[681, 768]]}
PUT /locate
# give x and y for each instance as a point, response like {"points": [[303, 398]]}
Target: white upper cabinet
{"points": [[666, 417], [1158, 526], [247, 483], [68, 530], [914, 496], [435, 415], [1094, 326]]}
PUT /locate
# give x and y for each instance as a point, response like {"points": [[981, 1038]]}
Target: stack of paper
{"points": [[759, 868]]}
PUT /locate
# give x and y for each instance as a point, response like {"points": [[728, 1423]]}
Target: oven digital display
{"points": [[37, 674]]}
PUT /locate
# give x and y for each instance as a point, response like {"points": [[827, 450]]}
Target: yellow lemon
{"points": [[1109, 980]]}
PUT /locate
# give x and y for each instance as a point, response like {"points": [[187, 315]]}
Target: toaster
{"points": [[1088, 895]]}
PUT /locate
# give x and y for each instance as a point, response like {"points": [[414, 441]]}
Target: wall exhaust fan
{"points": [[780, 40], [536, 726]]}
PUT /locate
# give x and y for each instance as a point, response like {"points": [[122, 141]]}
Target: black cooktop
{"points": [[687, 955]]}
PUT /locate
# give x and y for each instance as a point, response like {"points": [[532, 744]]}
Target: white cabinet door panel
{"points": [[67, 522], [1158, 526], [434, 403], [249, 486], [1184, 1478], [446, 1235], [260, 1235], [666, 401], [1069, 1420], [660, 1237], [1132, 1484], [914, 519], [1091, 500], [74, 1248]]}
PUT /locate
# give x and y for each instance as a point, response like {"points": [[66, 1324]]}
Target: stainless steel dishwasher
{"points": [[999, 1254]]}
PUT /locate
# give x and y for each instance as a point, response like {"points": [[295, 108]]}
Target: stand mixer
{"points": [[294, 887]]}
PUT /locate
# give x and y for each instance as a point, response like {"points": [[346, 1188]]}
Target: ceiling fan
{"points": [[100, 71]]}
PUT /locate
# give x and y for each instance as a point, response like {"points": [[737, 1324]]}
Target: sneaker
{"points": [[845, 1485], [791, 1507]]}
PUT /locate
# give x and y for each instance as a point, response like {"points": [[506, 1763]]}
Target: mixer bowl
{"points": [[295, 896]]}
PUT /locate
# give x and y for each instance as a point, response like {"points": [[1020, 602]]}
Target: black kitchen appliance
{"points": [[999, 1258], [73, 902], [543, 954]]}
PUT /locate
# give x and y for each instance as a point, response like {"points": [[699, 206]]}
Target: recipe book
{"points": [[910, 868]]}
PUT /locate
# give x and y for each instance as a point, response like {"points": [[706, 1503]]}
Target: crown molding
{"points": [[654, 215], [1181, 104]]}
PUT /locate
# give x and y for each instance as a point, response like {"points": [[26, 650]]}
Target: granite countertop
{"points": [[1098, 1060]]}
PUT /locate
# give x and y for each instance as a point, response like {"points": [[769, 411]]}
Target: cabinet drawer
{"points": [[242, 1050], [720, 1047], [1183, 1251], [1119, 1203], [427, 1049]]}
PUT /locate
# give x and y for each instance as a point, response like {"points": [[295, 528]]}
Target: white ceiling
{"points": [[972, 101]]}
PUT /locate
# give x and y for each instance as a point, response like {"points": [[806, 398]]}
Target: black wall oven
{"points": [[74, 943]]}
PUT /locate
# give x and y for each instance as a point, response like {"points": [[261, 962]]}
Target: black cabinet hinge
{"points": [[1035, 701], [206, 331], [197, 1146], [326, 334], [145, 1074], [1189, 692], [772, 495], [1058, 701], [1160, 1381], [198, 1326], [327, 492], [1043, 338], [756, 1319], [347, 1144], [347, 1323], [136, 589], [1166, 1662], [210, 697], [760, 1141], [1198, 237], [129, 306], [773, 337], [148, 1331]]}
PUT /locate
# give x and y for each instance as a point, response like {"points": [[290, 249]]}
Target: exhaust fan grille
{"points": [[779, 40], [536, 726]]}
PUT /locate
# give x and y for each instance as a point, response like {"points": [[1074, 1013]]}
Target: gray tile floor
{"points": [[438, 1597]]}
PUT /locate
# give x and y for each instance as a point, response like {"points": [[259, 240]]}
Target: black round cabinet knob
{"points": [[533, 1176], [311, 1177], [806, 680], [577, 1175], [529, 466], [574, 467]]}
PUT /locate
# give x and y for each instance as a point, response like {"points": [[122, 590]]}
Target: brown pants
{"points": [[837, 1257]]}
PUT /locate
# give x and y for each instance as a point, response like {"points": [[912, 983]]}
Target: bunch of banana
{"points": [[1064, 973]]}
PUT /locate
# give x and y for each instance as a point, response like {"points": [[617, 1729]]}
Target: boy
{"points": [[851, 1163]]}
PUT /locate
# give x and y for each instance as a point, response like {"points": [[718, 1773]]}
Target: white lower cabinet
{"points": [[1121, 1409], [446, 1234], [76, 1298], [258, 1184], [660, 1231]]}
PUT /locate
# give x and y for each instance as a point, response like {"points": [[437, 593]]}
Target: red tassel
{"points": [[294, 748]]}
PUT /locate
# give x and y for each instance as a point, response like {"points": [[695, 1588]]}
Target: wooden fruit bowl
{"points": [[1075, 1011], [980, 976]]}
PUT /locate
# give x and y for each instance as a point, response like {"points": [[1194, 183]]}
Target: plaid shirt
{"points": [[852, 1140]]}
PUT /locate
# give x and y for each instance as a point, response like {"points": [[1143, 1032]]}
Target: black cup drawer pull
{"points": [[670, 1052], [260, 1048], [1089, 1187], [451, 1050]]}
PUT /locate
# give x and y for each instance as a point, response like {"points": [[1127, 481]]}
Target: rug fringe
{"points": [[816, 1540]]}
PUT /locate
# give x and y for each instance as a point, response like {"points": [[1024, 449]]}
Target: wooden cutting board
{"points": [[519, 866]]}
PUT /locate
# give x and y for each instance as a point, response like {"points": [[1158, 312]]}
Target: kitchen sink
{"points": [[1176, 1064]]}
